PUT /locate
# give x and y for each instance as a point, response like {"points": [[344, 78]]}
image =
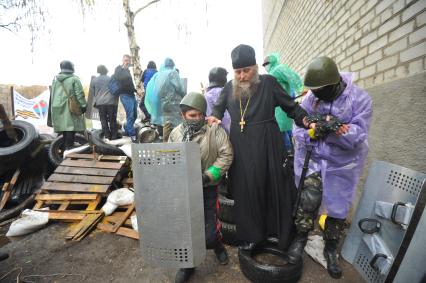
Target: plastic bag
{"points": [[134, 220], [30, 222], [76, 150], [117, 198], [127, 149]]}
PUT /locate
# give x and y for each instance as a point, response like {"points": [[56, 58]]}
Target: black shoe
{"points": [[183, 275], [221, 254], [3, 256], [330, 254], [247, 246], [295, 251]]}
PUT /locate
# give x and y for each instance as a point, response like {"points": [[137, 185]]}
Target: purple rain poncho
{"points": [[212, 94], [339, 159]]}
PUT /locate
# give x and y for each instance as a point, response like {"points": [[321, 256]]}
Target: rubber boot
{"points": [[295, 251], [330, 254], [221, 254], [183, 275]]}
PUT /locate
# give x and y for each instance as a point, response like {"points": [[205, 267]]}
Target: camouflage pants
{"points": [[310, 201], [307, 211]]}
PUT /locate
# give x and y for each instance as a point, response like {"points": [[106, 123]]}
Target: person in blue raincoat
{"points": [[163, 95], [342, 115], [147, 75]]}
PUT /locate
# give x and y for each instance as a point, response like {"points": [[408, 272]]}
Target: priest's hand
{"points": [[213, 120]]}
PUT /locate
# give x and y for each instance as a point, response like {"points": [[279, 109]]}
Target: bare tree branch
{"points": [[143, 7], [7, 26]]}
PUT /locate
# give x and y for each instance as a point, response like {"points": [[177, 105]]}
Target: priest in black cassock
{"points": [[264, 195]]}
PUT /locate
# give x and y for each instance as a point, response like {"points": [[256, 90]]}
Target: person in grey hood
{"points": [[105, 102]]}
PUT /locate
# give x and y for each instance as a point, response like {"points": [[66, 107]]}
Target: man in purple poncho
{"points": [[217, 80], [342, 113]]}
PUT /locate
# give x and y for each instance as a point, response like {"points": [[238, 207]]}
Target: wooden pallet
{"points": [[119, 222], [85, 173], [67, 201]]}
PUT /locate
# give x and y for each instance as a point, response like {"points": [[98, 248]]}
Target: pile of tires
{"points": [[266, 262], [226, 215], [14, 153], [30, 154]]}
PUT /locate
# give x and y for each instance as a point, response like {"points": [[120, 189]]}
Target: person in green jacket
{"points": [[63, 121], [292, 84]]}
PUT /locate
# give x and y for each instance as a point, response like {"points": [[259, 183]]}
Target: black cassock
{"points": [[264, 196]]}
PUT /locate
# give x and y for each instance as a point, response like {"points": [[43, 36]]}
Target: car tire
{"points": [[56, 149], [101, 147], [229, 234], [12, 155], [258, 272], [226, 209]]}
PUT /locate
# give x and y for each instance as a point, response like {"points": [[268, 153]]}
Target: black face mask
{"points": [[330, 92]]}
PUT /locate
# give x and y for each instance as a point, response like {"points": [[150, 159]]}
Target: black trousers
{"points": [[68, 139], [143, 108], [211, 223], [108, 117]]}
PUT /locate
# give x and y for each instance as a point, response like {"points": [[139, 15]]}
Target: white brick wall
{"points": [[378, 40]]}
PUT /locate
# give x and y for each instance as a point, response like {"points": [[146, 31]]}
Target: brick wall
{"points": [[379, 41]]}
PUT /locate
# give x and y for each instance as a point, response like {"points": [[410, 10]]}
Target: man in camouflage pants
{"points": [[341, 113]]}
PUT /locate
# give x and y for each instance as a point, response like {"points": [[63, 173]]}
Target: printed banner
{"points": [[33, 110]]}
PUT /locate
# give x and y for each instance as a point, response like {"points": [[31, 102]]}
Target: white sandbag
{"points": [[117, 198], [127, 149], [119, 142], [76, 150], [134, 220], [314, 248], [30, 222]]}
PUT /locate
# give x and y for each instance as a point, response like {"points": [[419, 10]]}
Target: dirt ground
{"points": [[46, 256]]}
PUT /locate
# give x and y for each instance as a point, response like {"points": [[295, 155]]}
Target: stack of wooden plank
{"points": [[76, 189]]}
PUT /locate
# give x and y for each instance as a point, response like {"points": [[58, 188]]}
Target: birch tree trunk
{"points": [[134, 47]]}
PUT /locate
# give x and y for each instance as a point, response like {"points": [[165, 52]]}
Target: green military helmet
{"points": [[195, 100], [322, 71]]}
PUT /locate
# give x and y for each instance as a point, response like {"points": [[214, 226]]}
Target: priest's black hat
{"points": [[243, 56]]}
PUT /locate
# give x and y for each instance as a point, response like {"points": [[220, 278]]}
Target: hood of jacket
{"points": [[62, 76]]}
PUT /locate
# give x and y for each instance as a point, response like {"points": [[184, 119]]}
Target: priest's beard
{"points": [[244, 90]]}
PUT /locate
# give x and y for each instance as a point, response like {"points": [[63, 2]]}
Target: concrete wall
{"points": [[379, 41]]}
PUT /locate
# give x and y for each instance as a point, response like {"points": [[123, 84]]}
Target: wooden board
{"points": [[86, 171], [127, 232], [74, 187], [66, 196], [77, 232], [68, 215], [91, 164], [80, 179], [98, 157], [121, 220]]}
